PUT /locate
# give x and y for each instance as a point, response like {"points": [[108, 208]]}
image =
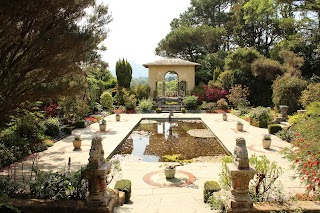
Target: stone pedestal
{"points": [[239, 196]]}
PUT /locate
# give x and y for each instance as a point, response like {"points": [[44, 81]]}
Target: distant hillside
{"points": [[140, 80], [138, 70]]}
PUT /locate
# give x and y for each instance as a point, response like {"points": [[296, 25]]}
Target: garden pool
{"points": [[190, 139]]}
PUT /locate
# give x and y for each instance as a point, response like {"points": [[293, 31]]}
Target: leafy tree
{"points": [[238, 96], [267, 68], [311, 94], [43, 46], [124, 73]]}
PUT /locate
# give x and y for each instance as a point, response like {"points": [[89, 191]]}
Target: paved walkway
{"points": [[147, 196]]}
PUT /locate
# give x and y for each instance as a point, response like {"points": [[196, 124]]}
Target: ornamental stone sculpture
{"points": [[96, 175], [240, 154], [240, 174]]}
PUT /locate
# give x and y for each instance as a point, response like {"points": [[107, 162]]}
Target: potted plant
{"points": [[117, 117], [239, 126], [224, 116], [170, 170], [266, 141], [103, 125], [77, 142]]}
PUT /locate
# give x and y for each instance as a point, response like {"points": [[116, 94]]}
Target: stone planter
{"points": [[224, 117], [169, 172], [117, 117], [77, 144], [266, 143], [239, 127], [103, 127]]}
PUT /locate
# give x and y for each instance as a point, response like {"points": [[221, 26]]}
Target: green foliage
{"points": [[209, 188], [52, 127], [130, 101], [274, 128], [174, 158], [260, 114], [222, 104], [6, 208], [313, 109], [124, 185], [67, 130], [190, 102], [217, 203], [305, 153], [73, 108], [142, 91], [7, 155], [224, 178], [158, 110], [286, 134], [145, 105], [8, 187], [124, 73], [48, 185], [106, 100], [287, 91], [238, 96], [262, 187], [267, 68], [293, 119], [226, 79], [80, 124]]}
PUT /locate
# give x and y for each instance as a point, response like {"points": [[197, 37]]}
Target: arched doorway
{"points": [[185, 70], [171, 84]]}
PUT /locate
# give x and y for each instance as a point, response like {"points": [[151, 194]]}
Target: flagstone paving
{"points": [[150, 191]]}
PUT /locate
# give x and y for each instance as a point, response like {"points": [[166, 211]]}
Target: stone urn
{"points": [[224, 116], [117, 117], [170, 172], [103, 125], [239, 126], [77, 143], [266, 141], [284, 111]]}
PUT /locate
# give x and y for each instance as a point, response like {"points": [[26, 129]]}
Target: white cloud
{"points": [[138, 26]]}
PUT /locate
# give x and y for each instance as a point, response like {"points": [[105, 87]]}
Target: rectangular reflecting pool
{"points": [[152, 139]]}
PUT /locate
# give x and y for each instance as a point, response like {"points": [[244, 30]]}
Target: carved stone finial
{"points": [[241, 154], [96, 153]]}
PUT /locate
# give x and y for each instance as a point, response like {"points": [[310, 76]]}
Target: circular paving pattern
{"points": [[158, 179], [259, 148]]}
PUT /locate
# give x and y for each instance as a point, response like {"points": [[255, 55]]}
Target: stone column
{"points": [[178, 88], [163, 88], [240, 175]]}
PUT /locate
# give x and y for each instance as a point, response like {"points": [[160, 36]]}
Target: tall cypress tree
{"points": [[124, 73]]}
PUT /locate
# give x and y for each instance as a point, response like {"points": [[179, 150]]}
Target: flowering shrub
{"points": [[305, 154], [210, 94], [51, 110]]}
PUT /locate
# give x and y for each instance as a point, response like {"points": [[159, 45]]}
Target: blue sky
{"points": [[137, 27]]}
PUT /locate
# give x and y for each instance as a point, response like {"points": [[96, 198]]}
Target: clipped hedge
{"points": [[274, 128], [80, 124], [52, 127], [124, 185], [209, 188]]}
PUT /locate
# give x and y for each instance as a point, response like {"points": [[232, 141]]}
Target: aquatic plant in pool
{"points": [[152, 139]]}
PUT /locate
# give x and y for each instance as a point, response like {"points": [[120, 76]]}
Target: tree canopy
{"points": [[43, 47], [124, 73]]}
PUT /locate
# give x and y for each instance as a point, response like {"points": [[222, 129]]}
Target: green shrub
{"points": [[7, 155], [142, 91], [106, 100], [222, 104], [145, 105], [130, 102], [216, 203], [209, 188], [190, 102], [286, 134], [67, 130], [260, 114], [80, 124], [52, 127], [158, 110], [8, 187], [311, 94], [313, 109], [287, 91], [124, 185], [183, 110], [6, 208], [274, 128]]}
